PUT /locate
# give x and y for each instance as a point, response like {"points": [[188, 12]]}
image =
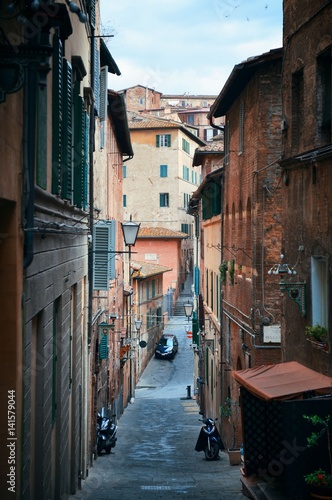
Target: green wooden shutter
{"points": [[56, 115], [79, 141], [103, 347], [67, 132], [157, 141], [41, 153], [169, 137], [86, 161]]}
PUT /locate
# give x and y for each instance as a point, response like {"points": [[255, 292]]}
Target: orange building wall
{"points": [[168, 254]]}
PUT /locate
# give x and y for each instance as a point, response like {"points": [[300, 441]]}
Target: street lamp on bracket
{"points": [[188, 310], [130, 231]]}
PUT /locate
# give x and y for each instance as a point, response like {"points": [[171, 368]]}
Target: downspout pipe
{"points": [[213, 125], [29, 139], [91, 190]]}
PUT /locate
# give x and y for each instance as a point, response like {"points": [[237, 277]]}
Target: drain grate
{"points": [[146, 387], [156, 488]]}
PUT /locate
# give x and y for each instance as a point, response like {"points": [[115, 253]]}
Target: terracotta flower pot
{"points": [[321, 492]]}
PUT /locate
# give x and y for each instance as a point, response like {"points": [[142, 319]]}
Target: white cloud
{"points": [[179, 46]]}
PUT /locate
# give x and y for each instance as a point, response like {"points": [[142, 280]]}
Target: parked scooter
{"points": [[106, 432], [209, 439]]}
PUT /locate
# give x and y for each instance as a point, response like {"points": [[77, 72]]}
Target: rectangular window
{"points": [[241, 128], [209, 133], [185, 173], [185, 146], [319, 291], [163, 171], [159, 315], [227, 139], [124, 198], [163, 140], [212, 200], [297, 109], [124, 171], [191, 120], [324, 90], [164, 200], [211, 291]]}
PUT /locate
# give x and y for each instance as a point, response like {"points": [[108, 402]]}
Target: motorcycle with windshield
{"points": [[209, 439], [106, 432]]}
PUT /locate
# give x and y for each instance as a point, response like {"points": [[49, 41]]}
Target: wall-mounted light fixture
{"points": [[138, 324], [188, 310], [130, 231], [281, 268]]}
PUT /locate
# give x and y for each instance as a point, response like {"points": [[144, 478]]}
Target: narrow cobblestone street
{"points": [[154, 457]]}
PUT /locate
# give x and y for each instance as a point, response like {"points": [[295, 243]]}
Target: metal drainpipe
{"points": [[91, 192], [93, 416], [213, 125], [29, 136]]}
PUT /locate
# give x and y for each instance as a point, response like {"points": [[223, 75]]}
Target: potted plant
{"points": [[317, 335], [230, 410], [223, 270], [320, 481]]}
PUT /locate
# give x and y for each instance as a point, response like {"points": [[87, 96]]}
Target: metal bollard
{"points": [[189, 391]]}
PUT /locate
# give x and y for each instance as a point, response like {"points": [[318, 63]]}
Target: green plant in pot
{"points": [[320, 481], [317, 333]]}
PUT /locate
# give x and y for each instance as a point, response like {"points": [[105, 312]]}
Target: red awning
{"points": [[283, 381]]}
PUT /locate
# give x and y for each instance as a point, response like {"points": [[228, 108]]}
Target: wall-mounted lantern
{"points": [[188, 310]]}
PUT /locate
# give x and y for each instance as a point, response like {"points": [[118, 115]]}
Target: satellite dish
{"points": [[142, 343]]}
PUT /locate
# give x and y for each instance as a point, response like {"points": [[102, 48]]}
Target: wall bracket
{"points": [[297, 292]]}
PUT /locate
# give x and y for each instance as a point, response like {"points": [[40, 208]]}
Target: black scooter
{"points": [[209, 439], [106, 432]]}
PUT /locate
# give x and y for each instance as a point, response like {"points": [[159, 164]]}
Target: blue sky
{"points": [[187, 46]]}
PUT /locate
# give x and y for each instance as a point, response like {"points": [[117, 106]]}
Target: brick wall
{"points": [[307, 175]]}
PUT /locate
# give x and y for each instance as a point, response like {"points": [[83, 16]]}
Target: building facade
{"points": [[162, 170], [148, 309], [110, 283], [251, 221], [51, 104], [158, 245], [307, 180]]}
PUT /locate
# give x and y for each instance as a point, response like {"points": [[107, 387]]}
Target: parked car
{"points": [[167, 346]]}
